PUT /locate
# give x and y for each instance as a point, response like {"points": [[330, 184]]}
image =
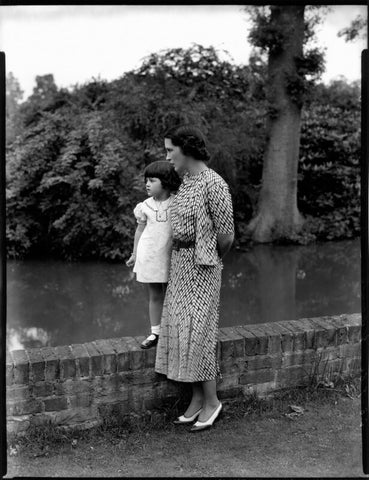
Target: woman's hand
{"points": [[224, 244], [131, 261]]}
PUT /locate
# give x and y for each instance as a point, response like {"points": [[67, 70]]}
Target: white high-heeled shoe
{"points": [[183, 419], [203, 425]]}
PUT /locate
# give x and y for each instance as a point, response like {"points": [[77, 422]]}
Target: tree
{"points": [[281, 33], [14, 95], [356, 30]]}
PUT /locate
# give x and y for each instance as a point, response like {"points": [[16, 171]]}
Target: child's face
{"points": [[154, 186]]}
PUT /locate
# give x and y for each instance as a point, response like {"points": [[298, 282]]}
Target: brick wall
{"points": [[71, 385]]}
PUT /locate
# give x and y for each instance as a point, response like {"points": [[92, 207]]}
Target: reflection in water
{"points": [[54, 303], [27, 338]]}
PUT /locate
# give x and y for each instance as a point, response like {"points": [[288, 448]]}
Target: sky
{"points": [[78, 43]]}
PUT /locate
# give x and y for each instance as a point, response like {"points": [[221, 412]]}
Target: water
{"points": [[58, 303]]}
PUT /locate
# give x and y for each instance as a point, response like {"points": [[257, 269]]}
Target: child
{"points": [[153, 240]]}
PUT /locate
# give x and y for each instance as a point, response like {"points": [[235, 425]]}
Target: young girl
{"points": [[153, 240]]}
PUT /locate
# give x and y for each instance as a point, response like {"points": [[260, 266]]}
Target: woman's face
{"points": [[175, 156]]}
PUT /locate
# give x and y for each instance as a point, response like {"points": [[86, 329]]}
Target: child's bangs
{"points": [[159, 169]]}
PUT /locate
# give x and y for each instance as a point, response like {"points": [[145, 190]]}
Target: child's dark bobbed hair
{"points": [[163, 170], [191, 141]]}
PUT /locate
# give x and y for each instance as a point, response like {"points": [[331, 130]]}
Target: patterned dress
{"points": [[186, 350]]}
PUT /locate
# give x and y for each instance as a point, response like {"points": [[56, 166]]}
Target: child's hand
{"points": [[131, 261]]}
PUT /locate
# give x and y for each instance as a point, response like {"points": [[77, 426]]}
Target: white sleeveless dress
{"points": [[155, 244]]}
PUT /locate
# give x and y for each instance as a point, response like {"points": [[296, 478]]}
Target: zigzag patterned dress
{"points": [[186, 350]]}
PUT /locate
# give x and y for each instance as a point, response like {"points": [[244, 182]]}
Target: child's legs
{"points": [[156, 300]]}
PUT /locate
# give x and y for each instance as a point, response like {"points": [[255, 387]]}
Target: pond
{"points": [[56, 303]]}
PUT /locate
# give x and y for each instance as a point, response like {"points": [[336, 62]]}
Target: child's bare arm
{"points": [[132, 259]]}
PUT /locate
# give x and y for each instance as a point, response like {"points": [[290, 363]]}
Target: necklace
{"points": [[161, 213]]}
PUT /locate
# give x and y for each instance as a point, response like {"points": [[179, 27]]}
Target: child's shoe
{"points": [[150, 341]]}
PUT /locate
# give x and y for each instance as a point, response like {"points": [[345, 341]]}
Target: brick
{"points": [[150, 357], [225, 344], [261, 338], [330, 330], [18, 426], [274, 337], [9, 373], [259, 362], [82, 359], [37, 364], [96, 359], [136, 354], [350, 350], [232, 365], [294, 375], [72, 386], [108, 352], [298, 335], [51, 360], [237, 341], [140, 338], [286, 336], [42, 389], [298, 358], [321, 338], [309, 332], [139, 377], [122, 353], [21, 366], [9, 368], [351, 365], [250, 339], [26, 407], [106, 385], [74, 416], [67, 361], [230, 392], [228, 381], [340, 325], [354, 333], [18, 392], [330, 353], [257, 376], [353, 319], [55, 403], [80, 400]]}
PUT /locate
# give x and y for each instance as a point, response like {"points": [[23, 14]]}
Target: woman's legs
{"points": [[204, 395], [211, 401], [196, 401]]}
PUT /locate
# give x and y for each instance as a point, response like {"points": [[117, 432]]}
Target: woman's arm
{"points": [[224, 241], [140, 228]]}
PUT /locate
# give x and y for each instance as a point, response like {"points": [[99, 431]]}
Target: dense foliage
{"points": [[75, 158]]}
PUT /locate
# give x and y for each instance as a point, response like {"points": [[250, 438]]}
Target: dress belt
{"points": [[177, 244]]}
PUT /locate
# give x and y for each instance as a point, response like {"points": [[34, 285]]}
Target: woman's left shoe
{"points": [[150, 343], [182, 420], [203, 425]]}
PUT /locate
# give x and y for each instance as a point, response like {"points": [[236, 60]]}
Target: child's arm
{"points": [[132, 259]]}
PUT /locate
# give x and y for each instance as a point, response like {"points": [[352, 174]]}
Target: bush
{"points": [[74, 168]]}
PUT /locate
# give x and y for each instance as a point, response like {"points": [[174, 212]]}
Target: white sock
{"points": [[155, 329]]}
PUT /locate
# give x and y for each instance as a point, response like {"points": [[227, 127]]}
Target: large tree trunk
{"points": [[277, 215]]}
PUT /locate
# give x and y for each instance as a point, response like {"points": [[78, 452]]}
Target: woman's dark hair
{"points": [[191, 141], [163, 170]]}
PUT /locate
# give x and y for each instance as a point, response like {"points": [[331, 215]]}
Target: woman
{"points": [[203, 232]]}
